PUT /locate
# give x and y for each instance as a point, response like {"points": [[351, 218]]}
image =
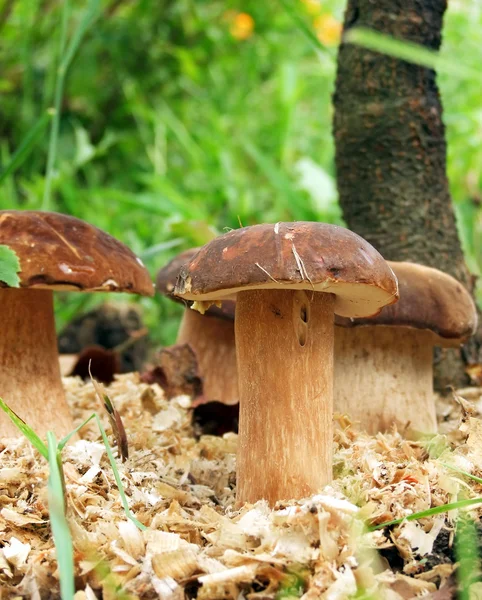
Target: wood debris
{"points": [[199, 544]]}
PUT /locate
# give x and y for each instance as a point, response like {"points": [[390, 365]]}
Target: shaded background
{"points": [[181, 118]]}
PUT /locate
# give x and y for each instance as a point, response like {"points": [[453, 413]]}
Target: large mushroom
{"points": [[383, 365], [211, 336], [56, 252], [288, 280]]}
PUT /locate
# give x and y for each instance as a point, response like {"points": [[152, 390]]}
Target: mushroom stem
{"points": [[383, 375], [284, 343], [30, 381], [212, 340]]}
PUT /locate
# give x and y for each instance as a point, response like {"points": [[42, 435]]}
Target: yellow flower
{"points": [[313, 7], [242, 26], [328, 29]]}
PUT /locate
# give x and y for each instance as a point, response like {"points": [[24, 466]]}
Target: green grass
{"points": [[156, 124], [467, 553], [58, 520]]}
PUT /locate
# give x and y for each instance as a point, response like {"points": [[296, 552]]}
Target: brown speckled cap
{"points": [[166, 277], [166, 281], [301, 255], [61, 252], [429, 300]]}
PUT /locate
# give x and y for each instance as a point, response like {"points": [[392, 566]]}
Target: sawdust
{"points": [[199, 545]]}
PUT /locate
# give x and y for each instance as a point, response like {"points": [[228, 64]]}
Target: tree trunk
{"points": [[391, 149]]}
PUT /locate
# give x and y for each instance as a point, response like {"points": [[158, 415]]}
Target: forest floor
{"points": [[197, 544]]}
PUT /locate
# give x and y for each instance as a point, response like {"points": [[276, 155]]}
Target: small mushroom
{"points": [[288, 280], [211, 336], [56, 252], [383, 365]]}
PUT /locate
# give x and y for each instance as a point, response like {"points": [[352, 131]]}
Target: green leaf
{"points": [[9, 266]]}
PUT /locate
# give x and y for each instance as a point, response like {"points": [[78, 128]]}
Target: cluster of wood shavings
{"points": [[198, 544]]}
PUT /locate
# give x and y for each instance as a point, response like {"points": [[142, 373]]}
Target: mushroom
{"points": [[288, 280], [211, 336], [383, 365], [56, 252]]}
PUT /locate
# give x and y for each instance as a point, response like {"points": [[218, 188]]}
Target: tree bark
{"points": [[391, 149]]}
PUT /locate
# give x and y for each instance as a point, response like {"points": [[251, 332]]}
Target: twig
{"points": [[265, 271], [301, 266]]}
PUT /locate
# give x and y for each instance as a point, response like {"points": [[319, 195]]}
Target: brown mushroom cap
{"points": [[166, 277], [430, 300], [300, 255], [166, 281], [61, 252]]}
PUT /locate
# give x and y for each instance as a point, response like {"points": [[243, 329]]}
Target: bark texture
{"points": [[391, 149]]}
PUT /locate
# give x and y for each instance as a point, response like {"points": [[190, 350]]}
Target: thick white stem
{"points": [[30, 380], [383, 375], [212, 339], [284, 342]]}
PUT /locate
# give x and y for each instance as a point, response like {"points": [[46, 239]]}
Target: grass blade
{"points": [[287, 194], [64, 441], [467, 555], [88, 18], [27, 431], [437, 510], [117, 476], [408, 51], [64, 60], [457, 470], [27, 145], [58, 521], [58, 93], [309, 34], [182, 133]]}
